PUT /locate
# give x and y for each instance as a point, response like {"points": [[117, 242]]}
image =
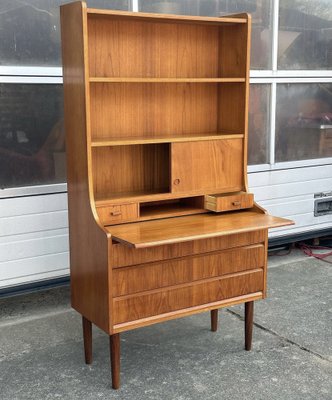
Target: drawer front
{"points": [[122, 256], [139, 306], [229, 202], [174, 272], [118, 213]]}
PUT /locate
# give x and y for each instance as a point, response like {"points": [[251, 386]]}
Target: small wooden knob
{"points": [[176, 181], [236, 203], [115, 213]]}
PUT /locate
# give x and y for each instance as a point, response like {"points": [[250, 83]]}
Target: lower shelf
{"points": [[170, 208]]}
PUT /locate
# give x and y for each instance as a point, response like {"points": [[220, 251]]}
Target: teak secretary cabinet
{"points": [[161, 221]]}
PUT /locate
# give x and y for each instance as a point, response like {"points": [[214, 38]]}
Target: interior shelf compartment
{"points": [[192, 49], [166, 110], [127, 170], [194, 137], [172, 207]]}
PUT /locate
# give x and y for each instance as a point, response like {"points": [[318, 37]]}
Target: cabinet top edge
{"points": [[154, 17]]}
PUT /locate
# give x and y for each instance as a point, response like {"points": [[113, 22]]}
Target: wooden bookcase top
{"points": [[141, 16], [163, 103]]}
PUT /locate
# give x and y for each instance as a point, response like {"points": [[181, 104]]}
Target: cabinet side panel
{"points": [[266, 245], [89, 269]]}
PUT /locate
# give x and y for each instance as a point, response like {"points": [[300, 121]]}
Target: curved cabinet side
{"points": [[90, 277]]}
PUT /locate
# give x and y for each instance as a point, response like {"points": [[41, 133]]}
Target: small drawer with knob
{"points": [[118, 213], [229, 201]]}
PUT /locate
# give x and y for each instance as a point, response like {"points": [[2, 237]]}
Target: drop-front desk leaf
{"points": [[183, 229]]}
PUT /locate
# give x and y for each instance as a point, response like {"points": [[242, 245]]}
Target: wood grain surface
{"points": [[122, 255], [145, 44], [207, 165], [187, 269], [122, 169], [134, 307], [148, 109], [182, 229], [141, 16], [229, 202], [89, 243]]}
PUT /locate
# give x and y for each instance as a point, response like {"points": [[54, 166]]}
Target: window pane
{"points": [[305, 34], [259, 118], [30, 30], [303, 121], [32, 143], [259, 9]]}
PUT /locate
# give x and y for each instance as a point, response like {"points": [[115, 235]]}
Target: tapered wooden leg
{"points": [[214, 320], [115, 360], [249, 317], [87, 339]]}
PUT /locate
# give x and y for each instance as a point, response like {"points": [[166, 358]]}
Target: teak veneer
{"points": [[161, 222]]}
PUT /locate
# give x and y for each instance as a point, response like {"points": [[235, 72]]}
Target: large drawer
{"points": [[150, 276], [122, 255], [161, 301]]}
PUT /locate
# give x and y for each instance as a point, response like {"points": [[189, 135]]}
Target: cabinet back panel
{"points": [[232, 107], [138, 109], [137, 168], [233, 51], [122, 48]]}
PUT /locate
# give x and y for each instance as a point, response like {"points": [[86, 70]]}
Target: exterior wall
{"points": [[33, 239], [33, 221], [34, 230], [290, 193]]}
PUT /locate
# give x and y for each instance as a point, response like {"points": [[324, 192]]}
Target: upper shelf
{"points": [[96, 79], [194, 137]]}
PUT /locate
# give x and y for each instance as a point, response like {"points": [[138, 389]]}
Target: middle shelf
{"points": [[193, 137], [100, 79], [160, 168]]}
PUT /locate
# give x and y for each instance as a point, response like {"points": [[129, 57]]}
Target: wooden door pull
{"points": [[115, 213]]}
